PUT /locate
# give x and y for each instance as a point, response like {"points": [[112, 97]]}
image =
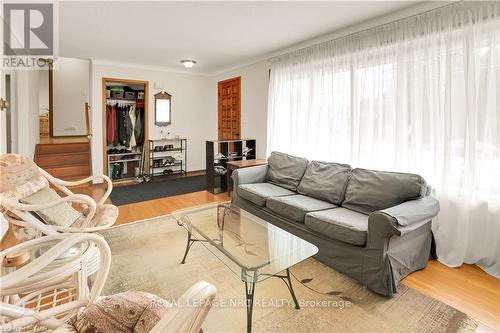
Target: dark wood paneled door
{"points": [[229, 109]]}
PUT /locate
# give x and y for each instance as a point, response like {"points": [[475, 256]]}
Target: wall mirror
{"points": [[163, 106]]}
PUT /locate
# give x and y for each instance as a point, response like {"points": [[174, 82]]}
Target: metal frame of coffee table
{"points": [[245, 271]]}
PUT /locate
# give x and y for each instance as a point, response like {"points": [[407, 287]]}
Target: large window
{"points": [[421, 95]]}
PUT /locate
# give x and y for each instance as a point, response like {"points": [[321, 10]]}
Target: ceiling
{"points": [[218, 35]]}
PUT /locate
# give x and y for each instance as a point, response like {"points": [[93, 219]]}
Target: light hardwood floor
{"points": [[466, 288]]}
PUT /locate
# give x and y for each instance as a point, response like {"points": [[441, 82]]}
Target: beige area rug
{"points": [[147, 255]]}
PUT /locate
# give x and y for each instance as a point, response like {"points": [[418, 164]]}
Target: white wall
{"points": [[71, 82], [43, 92], [193, 114], [254, 89], [27, 111]]}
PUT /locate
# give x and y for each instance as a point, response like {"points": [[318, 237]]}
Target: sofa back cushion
{"points": [[286, 170], [325, 181], [370, 190]]}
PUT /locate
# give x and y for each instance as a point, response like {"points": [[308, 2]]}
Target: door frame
{"points": [[219, 104], [12, 99], [106, 80], [3, 115]]}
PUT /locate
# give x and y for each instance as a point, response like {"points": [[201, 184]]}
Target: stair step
{"points": [[69, 171], [59, 159], [63, 148], [67, 161], [76, 178]]}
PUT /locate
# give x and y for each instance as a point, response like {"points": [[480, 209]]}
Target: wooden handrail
{"points": [[87, 119]]}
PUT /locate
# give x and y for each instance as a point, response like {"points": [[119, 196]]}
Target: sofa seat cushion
{"points": [[295, 207], [369, 190], [341, 224], [286, 170], [258, 193], [325, 181]]}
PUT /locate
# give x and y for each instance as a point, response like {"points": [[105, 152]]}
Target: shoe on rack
{"points": [[220, 170], [120, 170], [169, 160], [219, 156], [246, 150], [114, 174]]}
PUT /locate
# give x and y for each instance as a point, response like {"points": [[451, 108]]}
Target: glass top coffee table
{"points": [[249, 246]]}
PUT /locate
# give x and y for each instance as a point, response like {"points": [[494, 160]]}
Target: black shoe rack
{"points": [[162, 157]]}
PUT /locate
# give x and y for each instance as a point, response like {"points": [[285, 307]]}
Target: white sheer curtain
{"points": [[419, 95]]}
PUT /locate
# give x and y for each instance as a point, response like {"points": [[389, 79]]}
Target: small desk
{"points": [[233, 165]]}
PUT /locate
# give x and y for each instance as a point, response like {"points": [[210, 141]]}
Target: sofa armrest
{"points": [[256, 174], [413, 211], [401, 219]]}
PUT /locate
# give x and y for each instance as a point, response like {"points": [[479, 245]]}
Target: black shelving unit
{"points": [[218, 153], [178, 167]]}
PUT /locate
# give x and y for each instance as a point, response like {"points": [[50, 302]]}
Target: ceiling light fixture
{"points": [[188, 63]]}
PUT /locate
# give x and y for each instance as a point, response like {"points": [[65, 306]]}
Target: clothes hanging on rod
{"points": [[139, 127], [121, 116], [130, 127], [125, 126], [110, 124]]}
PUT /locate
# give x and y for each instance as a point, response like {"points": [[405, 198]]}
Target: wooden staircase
{"points": [[67, 161]]}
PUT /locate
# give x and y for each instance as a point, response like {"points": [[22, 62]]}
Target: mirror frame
{"points": [[159, 96]]}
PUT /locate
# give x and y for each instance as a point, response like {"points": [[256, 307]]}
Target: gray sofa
{"points": [[373, 226]]}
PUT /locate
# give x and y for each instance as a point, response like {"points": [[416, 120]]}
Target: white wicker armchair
{"points": [[53, 285], [29, 202], [51, 292]]}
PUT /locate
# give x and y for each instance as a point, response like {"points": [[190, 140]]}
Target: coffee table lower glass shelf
{"points": [[249, 246]]}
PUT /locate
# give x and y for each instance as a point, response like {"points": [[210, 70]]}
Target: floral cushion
{"points": [[19, 177], [63, 215], [105, 215], [128, 312]]}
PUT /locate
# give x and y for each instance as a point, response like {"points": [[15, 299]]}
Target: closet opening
{"points": [[125, 129]]}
